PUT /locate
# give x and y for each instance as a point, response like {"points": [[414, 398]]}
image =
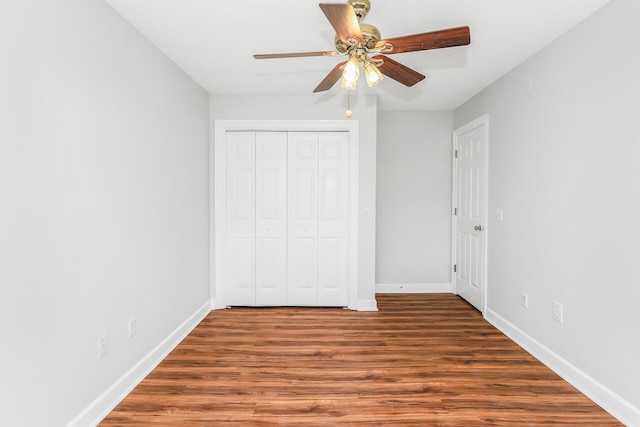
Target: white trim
{"points": [[218, 219], [217, 192], [480, 121], [413, 288], [212, 211], [109, 399], [454, 192], [217, 305], [365, 305], [611, 402], [354, 219]]}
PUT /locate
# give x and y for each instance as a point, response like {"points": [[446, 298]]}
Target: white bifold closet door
{"points": [[256, 217], [287, 218], [317, 221]]}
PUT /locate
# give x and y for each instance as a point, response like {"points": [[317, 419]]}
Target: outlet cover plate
{"points": [[557, 312]]}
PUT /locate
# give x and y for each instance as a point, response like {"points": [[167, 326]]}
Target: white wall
{"points": [[324, 107], [104, 204], [414, 200], [563, 167]]}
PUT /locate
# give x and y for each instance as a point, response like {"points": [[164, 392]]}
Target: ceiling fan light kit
{"points": [[372, 73], [358, 40], [351, 73], [350, 85]]}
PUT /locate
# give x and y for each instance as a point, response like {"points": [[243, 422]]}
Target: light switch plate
{"points": [[524, 300], [102, 346]]}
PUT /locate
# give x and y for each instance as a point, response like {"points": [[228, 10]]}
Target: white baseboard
{"points": [[100, 408], [366, 305], [611, 402], [413, 288], [216, 305]]}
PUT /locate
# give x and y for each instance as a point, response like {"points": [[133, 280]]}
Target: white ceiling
{"points": [[213, 41]]}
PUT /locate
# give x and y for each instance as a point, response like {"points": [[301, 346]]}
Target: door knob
{"points": [[478, 228]]}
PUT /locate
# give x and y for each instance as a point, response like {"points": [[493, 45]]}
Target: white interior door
{"points": [[271, 219], [333, 218], [302, 249], [470, 143], [240, 215], [317, 262]]}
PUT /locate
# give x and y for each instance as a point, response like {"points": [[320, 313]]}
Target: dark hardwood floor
{"points": [[422, 360]]}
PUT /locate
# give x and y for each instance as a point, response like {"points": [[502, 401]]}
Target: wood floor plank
{"points": [[422, 360]]}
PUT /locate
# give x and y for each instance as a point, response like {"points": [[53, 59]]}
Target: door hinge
{"points": [[456, 154], [455, 211], [455, 268]]}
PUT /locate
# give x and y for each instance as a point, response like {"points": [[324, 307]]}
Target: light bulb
{"points": [[351, 70], [372, 74]]}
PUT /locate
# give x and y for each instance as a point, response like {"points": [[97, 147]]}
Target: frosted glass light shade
{"points": [[349, 85], [351, 70], [372, 74]]}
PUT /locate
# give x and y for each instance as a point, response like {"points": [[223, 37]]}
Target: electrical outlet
{"points": [[132, 327], [499, 215], [524, 300], [102, 346], [557, 312]]}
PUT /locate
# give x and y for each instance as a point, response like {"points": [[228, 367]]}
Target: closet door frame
{"points": [[217, 194]]}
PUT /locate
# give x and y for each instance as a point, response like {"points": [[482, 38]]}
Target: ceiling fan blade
{"points": [[398, 72], [295, 55], [343, 18], [331, 78], [458, 36]]}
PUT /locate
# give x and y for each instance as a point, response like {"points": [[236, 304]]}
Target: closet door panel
{"points": [[271, 218], [302, 248], [333, 218], [240, 215]]}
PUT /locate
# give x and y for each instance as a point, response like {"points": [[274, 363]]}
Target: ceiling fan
{"points": [[363, 43]]}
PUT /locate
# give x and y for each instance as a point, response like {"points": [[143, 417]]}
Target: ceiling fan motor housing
{"points": [[370, 34]]}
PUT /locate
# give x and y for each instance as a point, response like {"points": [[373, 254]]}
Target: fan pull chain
{"points": [[348, 113]]}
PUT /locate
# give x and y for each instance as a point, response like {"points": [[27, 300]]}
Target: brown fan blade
{"points": [[331, 78], [344, 20], [434, 40], [398, 72], [295, 55]]}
